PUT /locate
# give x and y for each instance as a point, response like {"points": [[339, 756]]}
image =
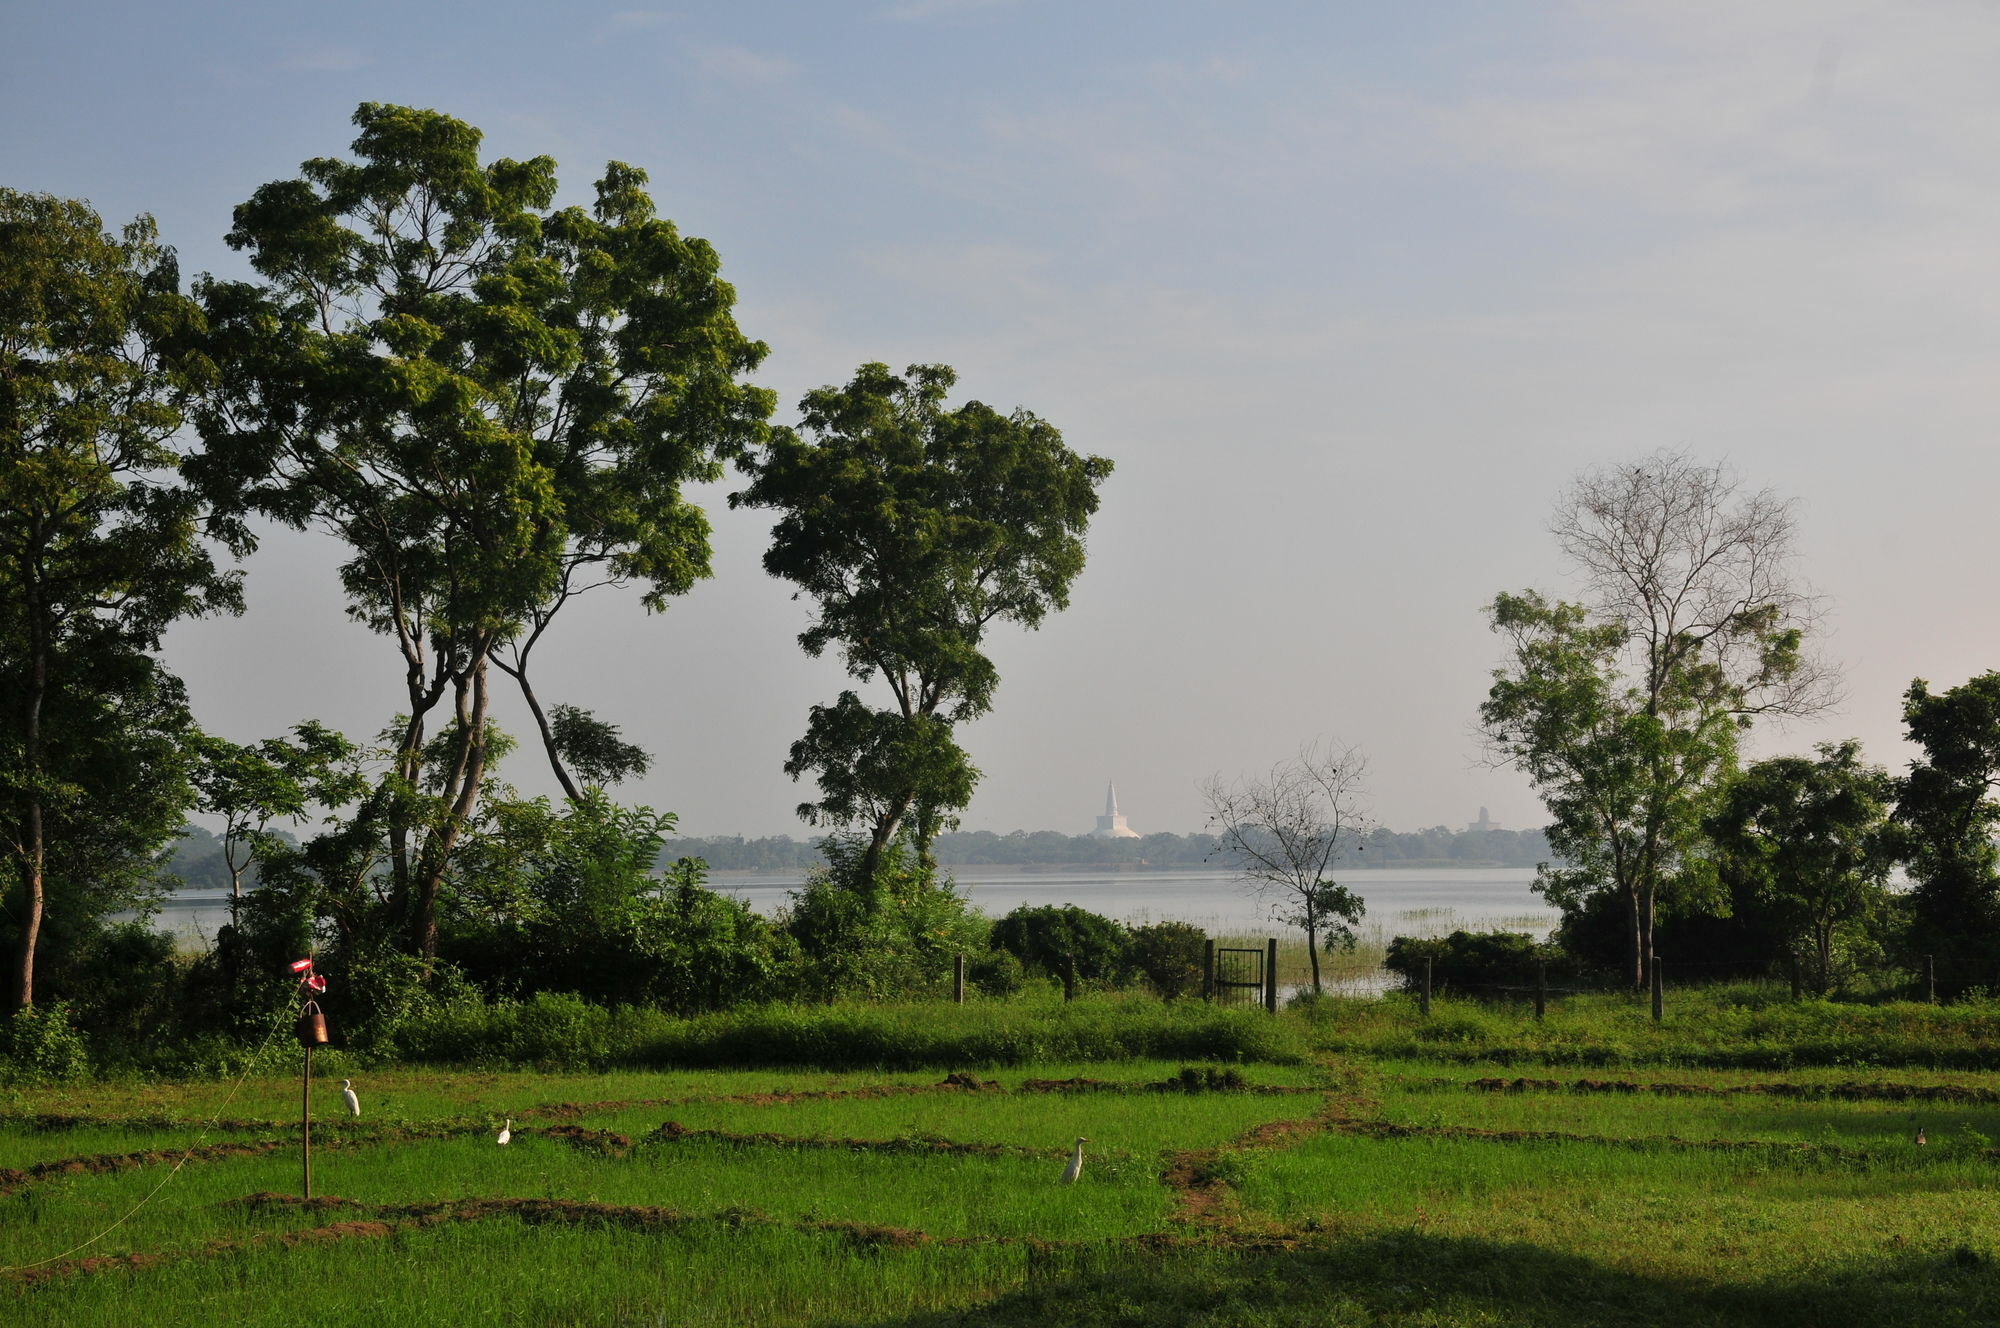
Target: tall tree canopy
{"points": [[1947, 818], [913, 528], [1811, 837], [1625, 710], [99, 552], [495, 405]]}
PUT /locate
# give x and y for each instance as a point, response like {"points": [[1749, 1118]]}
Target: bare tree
{"points": [[1626, 710], [1282, 832]]}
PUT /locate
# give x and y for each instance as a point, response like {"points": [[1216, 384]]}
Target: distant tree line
{"points": [[1437, 846]]}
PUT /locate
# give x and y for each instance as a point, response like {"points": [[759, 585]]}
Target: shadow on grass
{"points": [[1409, 1278]]}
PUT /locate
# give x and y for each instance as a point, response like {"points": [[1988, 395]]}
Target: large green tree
{"points": [[1947, 818], [914, 527], [100, 550], [494, 404], [1625, 710], [1810, 835]]}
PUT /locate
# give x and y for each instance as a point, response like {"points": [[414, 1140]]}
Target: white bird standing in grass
{"points": [[1075, 1163], [506, 1133], [347, 1096]]}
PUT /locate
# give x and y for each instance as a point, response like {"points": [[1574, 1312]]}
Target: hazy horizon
{"points": [[1348, 294]]}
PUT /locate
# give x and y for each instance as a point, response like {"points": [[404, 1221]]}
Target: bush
{"points": [[1169, 955], [41, 1044], [995, 973], [892, 936], [1051, 938], [1469, 961]]}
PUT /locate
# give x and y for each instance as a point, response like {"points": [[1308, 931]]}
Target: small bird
{"points": [[1075, 1163], [506, 1133], [347, 1096], [1921, 1141]]}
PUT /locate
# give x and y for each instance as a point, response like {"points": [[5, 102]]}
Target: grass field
{"points": [[1594, 1170]]}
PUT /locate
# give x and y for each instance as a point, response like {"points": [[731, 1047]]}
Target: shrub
{"points": [[1469, 961], [1169, 955], [41, 1043], [1050, 938], [995, 973]]}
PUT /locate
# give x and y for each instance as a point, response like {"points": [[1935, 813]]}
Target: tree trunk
{"points": [[1638, 941], [34, 860], [469, 772], [1312, 953], [519, 672]]}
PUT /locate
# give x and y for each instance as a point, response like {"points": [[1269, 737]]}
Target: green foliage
{"points": [[1811, 839], [100, 552], [566, 901], [40, 1043], [493, 404], [1947, 819], [877, 930], [1169, 955], [996, 973], [1626, 713], [1056, 939], [913, 528], [1475, 960]]}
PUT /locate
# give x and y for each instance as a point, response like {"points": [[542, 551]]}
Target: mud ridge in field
{"points": [[1842, 1092], [675, 1132], [1204, 1194], [1843, 1154], [955, 1083]]}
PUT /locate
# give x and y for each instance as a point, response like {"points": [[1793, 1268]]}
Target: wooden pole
{"points": [[1424, 998], [1271, 975], [1798, 987], [958, 978], [1541, 987], [1208, 969], [1659, 990], [1930, 978], [306, 1123], [1069, 977]]}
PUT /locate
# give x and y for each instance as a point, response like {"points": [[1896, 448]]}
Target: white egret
{"points": [[347, 1096], [1075, 1163], [506, 1133]]}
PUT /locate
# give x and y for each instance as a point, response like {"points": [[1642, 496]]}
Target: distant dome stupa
{"points": [[1111, 825]]}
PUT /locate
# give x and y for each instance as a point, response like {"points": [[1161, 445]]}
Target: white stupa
{"points": [[1111, 825]]}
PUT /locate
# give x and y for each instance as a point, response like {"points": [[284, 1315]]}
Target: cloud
{"points": [[741, 65], [325, 60], [921, 11]]}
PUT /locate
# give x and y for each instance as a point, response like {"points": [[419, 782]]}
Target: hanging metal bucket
{"points": [[312, 1026]]}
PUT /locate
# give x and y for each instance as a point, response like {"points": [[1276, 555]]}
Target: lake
{"points": [[1406, 901]]}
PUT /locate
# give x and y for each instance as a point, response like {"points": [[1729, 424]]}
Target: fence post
{"points": [[1930, 978], [1424, 997], [958, 978], [1659, 989], [1069, 978], [1208, 969], [1798, 988], [1541, 987], [1271, 975]]}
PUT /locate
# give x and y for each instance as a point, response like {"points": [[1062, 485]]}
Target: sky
{"points": [[1348, 293]]}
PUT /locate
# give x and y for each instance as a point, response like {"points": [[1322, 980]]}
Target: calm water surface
{"points": [[1412, 901]]}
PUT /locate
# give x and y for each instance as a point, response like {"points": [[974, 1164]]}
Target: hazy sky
{"points": [[1348, 293]]}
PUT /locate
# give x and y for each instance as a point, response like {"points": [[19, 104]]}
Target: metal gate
{"points": [[1239, 976]]}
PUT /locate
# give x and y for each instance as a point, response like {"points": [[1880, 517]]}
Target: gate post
{"points": [[1659, 990], [1541, 987], [958, 978], [1424, 996], [1208, 969], [1271, 975]]}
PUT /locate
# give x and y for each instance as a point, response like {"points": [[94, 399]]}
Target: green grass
{"points": [[836, 1189]]}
